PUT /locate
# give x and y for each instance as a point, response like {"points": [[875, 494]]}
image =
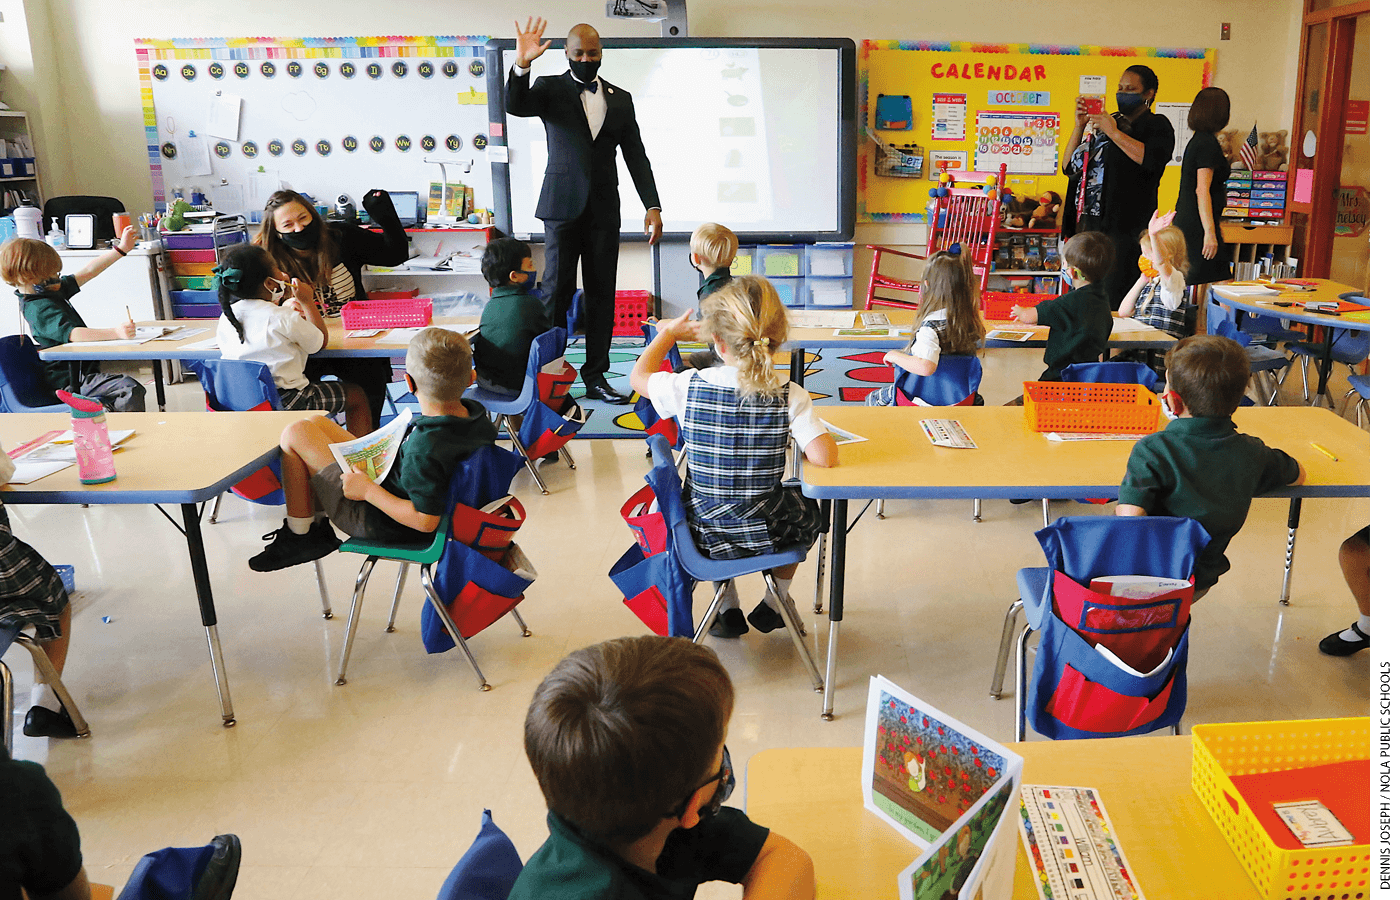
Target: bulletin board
{"points": [[978, 105], [239, 118]]}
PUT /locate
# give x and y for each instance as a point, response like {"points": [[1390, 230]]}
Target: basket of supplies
{"points": [[996, 305], [407, 312], [629, 312], [1110, 408], [1267, 762]]}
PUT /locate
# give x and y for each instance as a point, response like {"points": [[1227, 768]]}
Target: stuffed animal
{"points": [[1016, 212], [1044, 215], [1231, 140], [1273, 151]]}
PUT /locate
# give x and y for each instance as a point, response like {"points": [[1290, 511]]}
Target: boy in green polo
{"points": [[412, 499], [626, 739], [1081, 321], [513, 317], [712, 251], [1199, 466]]}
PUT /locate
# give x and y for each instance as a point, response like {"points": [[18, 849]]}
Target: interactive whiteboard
{"points": [[757, 134]]}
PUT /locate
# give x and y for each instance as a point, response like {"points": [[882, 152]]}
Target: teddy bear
{"points": [[1044, 215], [1231, 141], [1016, 212], [1273, 151]]}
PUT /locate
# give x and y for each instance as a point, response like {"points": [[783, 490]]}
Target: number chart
{"points": [[1027, 142]]}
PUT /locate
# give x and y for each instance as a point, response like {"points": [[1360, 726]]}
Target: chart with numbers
{"points": [[1072, 846], [1027, 142]]}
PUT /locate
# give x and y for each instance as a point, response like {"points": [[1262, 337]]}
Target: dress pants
{"points": [[593, 239]]}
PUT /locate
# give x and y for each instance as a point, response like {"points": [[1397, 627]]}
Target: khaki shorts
{"points": [[359, 518]]}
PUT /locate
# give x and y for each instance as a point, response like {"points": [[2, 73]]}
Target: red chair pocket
{"points": [[1082, 704]]}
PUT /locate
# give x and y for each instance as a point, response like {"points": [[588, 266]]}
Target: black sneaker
{"points": [[765, 618], [1336, 645], [288, 549], [729, 624]]}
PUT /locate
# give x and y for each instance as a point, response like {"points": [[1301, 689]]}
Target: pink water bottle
{"points": [[90, 439]]}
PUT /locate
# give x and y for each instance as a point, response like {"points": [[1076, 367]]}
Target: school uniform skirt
{"points": [[31, 593], [780, 519]]}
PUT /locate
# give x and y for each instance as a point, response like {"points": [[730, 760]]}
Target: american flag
{"points": [[1250, 148]]}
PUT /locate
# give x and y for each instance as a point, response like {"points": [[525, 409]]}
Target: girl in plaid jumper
{"points": [[737, 420]]}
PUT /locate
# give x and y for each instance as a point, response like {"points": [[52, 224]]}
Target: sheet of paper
{"points": [[1122, 324], [820, 318], [27, 471], [230, 199], [180, 334], [193, 152], [826, 264], [1004, 334], [206, 344], [262, 185], [1074, 851], [225, 109], [841, 435], [404, 335], [862, 332]]}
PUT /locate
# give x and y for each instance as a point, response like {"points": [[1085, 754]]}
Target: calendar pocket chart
{"points": [[1027, 142]]}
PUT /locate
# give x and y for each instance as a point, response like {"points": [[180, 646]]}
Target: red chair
{"points": [[966, 216]]}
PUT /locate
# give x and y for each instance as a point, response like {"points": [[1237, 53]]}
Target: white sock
{"points": [[1364, 623], [784, 587], [300, 524], [1357, 633], [43, 695], [730, 598]]}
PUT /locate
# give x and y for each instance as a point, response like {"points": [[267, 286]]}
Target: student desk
{"points": [[175, 457], [1264, 306], [813, 797], [801, 339], [897, 461], [337, 345]]}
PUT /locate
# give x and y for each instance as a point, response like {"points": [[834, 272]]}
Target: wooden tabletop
{"points": [[337, 345], [813, 797], [826, 337], [1265, 305], [174, 457], [897, 460]]}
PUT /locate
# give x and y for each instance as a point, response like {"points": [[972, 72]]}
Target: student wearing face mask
{"points": [[513, 318], [1126, 153], [586, 121], [271, 318], [328, 257]]}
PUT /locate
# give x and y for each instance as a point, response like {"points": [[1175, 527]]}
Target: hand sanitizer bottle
{"points": [[56, 238]]}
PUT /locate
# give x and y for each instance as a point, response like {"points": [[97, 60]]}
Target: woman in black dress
{"points": [[1202, 197]]}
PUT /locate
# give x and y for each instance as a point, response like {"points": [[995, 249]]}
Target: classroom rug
{"points": [[831, 376]]}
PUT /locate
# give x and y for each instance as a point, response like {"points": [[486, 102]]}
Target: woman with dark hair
{"points": [[330, 255], [1124, 155], [1202, 197]]}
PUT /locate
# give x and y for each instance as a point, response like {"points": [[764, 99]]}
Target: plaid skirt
{"points": [[31, 593], [779, 519]]}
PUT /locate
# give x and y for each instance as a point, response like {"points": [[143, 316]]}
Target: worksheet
{"points": [[1073, 849]]}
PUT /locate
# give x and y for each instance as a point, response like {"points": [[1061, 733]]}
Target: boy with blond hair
{"points": [[712, 251], [412, 499]]}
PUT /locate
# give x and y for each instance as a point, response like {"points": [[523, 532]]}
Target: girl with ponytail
{"points": [[271, 319], [737, 420]]}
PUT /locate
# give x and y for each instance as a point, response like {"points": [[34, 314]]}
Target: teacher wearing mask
{"points": [[586, 120], [1114, 169], [1201, 200]]}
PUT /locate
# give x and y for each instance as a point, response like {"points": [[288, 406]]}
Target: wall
{"points": [[97, 82]]}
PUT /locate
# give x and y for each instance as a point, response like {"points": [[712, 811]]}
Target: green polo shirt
{"points": [[513, 318], [569, 866], [431, 452], [1080, 323], [713, 282], [1203, 469], [51, 319], [39, 846]]}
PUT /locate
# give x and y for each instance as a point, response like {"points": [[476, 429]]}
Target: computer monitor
{"points": [[406, 205]]}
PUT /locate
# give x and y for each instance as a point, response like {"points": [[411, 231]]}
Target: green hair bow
{"points": [[229, 276]]}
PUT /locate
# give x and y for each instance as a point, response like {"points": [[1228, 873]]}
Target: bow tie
{"points": [[591, 87]]}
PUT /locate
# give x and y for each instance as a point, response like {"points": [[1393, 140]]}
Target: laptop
{"points": [[406, 205]]}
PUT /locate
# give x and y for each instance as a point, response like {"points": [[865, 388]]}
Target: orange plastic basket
{"points": [[1242, 748], [1072, 406], [405, 313], [996, 305]]}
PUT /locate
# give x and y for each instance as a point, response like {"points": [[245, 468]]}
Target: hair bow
{"points": [[229, 276], [954, 250], [761, 342]]}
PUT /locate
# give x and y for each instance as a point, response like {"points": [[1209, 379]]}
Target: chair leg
{"points": [[798, 636], [7, 708], [214, 515], [879, 509], [1363, 404], [703, 629], [821, 575], [46, 671], [1008, 631], [360, 581], [325, 595], [568, 457], [1305, 364], [1045, 511], [398, 593], [520, 448], [426, 575], [524, 629], [976, 510], [1021, 647], [1176, 727]]}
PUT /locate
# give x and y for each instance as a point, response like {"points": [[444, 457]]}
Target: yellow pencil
{"points": [[128, 316], [1325, 452]]}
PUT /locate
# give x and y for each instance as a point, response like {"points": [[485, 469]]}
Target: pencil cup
{"points": [[94, 446]]}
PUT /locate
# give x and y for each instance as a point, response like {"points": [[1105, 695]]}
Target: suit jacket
{"points": [[582, 169]]}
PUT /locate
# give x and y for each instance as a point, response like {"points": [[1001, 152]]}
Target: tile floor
{"points": [[376, 788]]}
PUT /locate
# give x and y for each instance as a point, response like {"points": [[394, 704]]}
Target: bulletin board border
{"points": [[152, 50], [863, 90]]}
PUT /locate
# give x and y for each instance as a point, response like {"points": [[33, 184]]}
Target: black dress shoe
{"points": [[729, 624], [604, 391], [44, 722]]}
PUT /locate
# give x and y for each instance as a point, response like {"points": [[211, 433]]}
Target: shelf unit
{"points": [[816, 276], [13, 124]]}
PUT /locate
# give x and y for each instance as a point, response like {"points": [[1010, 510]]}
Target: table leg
{"points": [[838, 602], [205, 594], [1324, 365], [821, 561], [797, 365], [1295, 511], [160, 384]]}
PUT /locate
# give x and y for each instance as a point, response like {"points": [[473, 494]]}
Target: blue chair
{"points": [[12, 634], [485, 476], [953, 383], [1111, 373], [1261, 359], [23, 385], [489, 868], [665, 480], [1348, 346], [1361, 387], [545, 349], [572, 317], [1084, 548], [240, 385], [646, 413], [188, 873]]}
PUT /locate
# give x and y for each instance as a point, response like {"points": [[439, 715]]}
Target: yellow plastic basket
{"points": [[1242, 748], [1074, 406]]}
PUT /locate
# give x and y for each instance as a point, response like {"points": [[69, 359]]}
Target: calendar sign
{"points": [[1027, 142]]}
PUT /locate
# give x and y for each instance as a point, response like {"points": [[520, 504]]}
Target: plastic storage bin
{"points": [[827, 292], [829, 260], [1219, 751], [407, 313], [743, 262], [630, 310], [787, 290], [778, 261], [1069, 406], [996, 305]]}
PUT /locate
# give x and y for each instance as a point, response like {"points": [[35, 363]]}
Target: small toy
{"points": [[1016, 212], [1043, 216]]}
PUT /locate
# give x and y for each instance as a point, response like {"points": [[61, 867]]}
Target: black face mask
{"points": [[585, 70], [306, 239]]}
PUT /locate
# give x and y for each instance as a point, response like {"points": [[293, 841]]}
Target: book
{"points": [[1009, 334], [373, 454], [841, 435]]}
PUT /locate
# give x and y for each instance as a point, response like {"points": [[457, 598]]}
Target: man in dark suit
{"points": [[586, 120]]}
